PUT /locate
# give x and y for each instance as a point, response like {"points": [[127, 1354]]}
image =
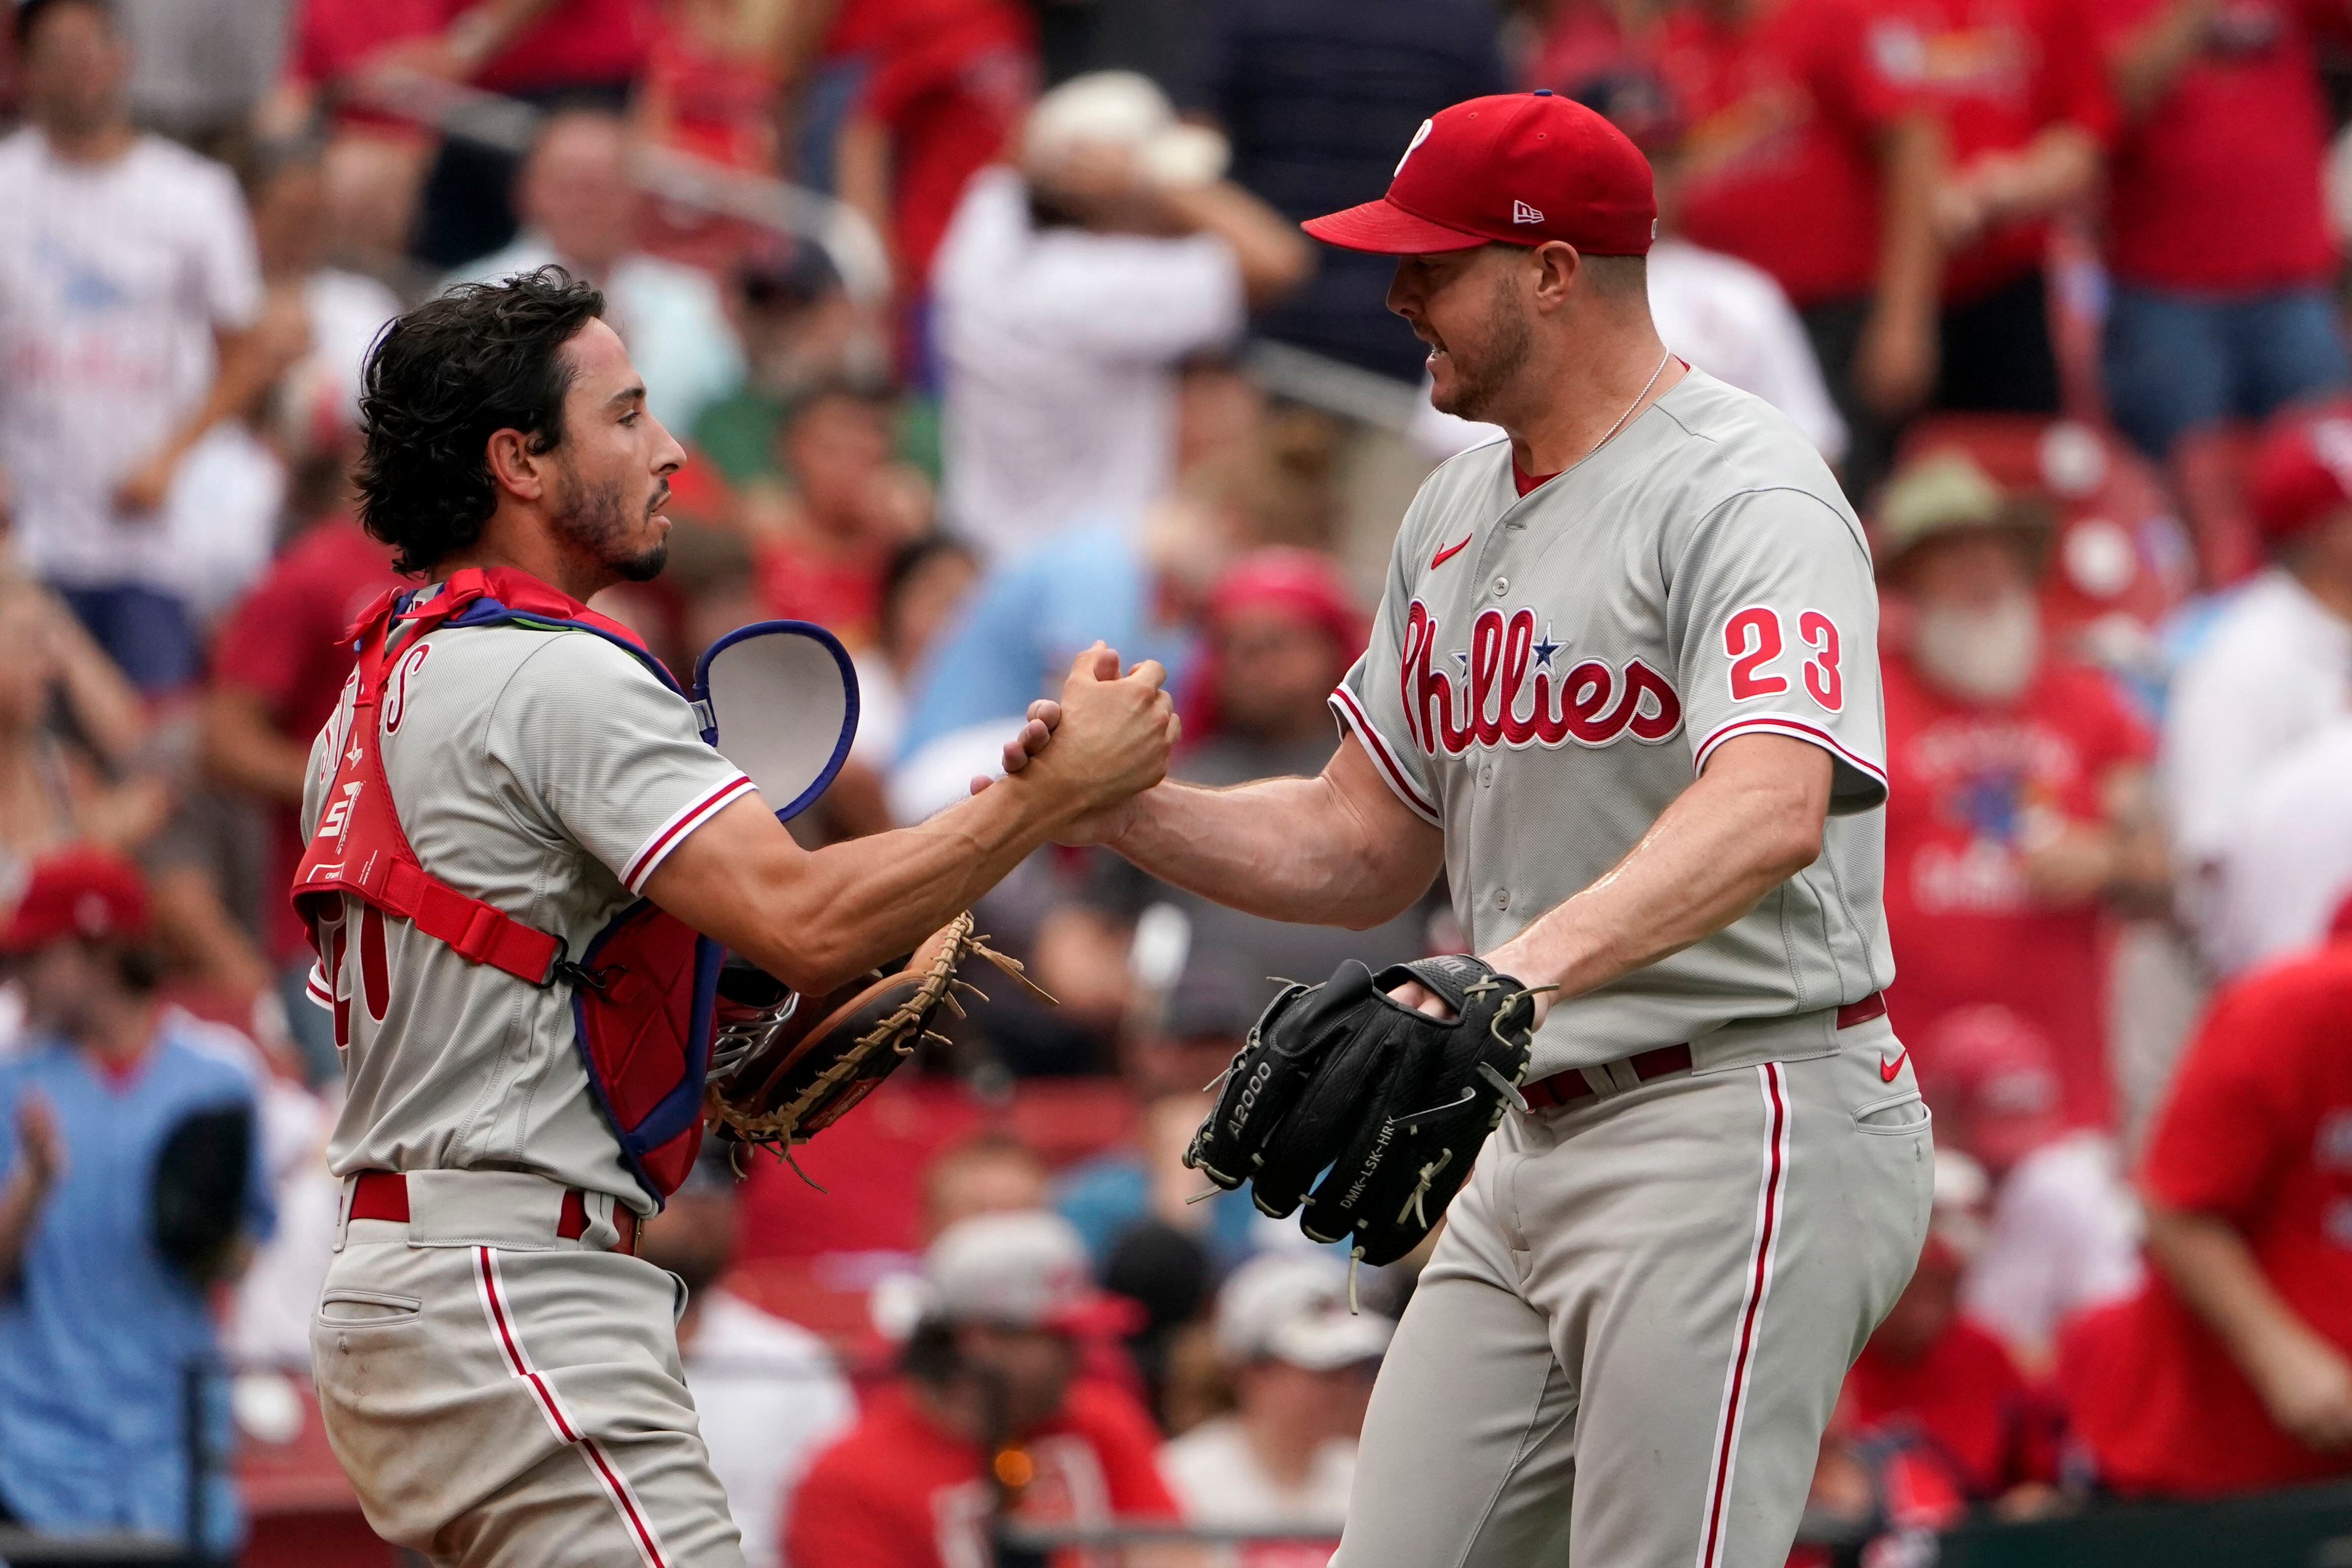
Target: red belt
{"points": [[383, 1194], [1571, 1087]]}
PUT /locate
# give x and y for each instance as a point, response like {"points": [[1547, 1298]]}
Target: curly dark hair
{"points": [[480, 358]]}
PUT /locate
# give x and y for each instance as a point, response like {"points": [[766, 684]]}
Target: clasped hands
{"points": [[1106, 740]]}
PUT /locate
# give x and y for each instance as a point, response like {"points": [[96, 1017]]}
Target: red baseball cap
{"points": [[77, 893], [1996, 1077], [2302, 470], [1520, 168]]}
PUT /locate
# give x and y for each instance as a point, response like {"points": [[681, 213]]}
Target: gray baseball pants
{"points": [[503, 1399], [1626, 1346]]}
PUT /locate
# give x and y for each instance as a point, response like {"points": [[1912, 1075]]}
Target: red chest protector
{"points": [[642, 993]]}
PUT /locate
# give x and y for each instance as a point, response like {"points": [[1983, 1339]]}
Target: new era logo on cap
{"points": [[1522, 213]]}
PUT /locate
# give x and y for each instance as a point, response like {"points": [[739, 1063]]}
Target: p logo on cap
{"points": [[1419, 137]]}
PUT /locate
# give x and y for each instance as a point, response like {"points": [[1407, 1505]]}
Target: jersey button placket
{"points": [[1502, 587]]}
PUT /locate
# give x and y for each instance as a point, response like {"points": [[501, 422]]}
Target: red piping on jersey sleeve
{"points": [[673, 833], [1400, 783], [1797, 728]]}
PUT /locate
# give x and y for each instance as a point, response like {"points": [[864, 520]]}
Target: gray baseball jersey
{"points": [[1549, 672], [548, 772]]}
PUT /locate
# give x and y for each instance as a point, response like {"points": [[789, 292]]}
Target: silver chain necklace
{"points": [[1633, 405]]}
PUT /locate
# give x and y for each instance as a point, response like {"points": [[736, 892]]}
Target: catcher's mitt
{"points": [[1392, 1102], [785, 1068]]}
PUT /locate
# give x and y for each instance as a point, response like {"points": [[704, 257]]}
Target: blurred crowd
{"points": [[990, 331]]}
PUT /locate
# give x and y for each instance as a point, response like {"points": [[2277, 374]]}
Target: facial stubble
{"points": [[1494, 363], [597, 518]]}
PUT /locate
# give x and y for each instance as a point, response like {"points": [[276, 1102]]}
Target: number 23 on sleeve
{"points": [[1754, 641]]}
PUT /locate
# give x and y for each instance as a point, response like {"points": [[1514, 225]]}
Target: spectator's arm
{"points": [[861, 164], [2304, 1381], [195, 927], [2053, 171], [40, 1156], [2150, 60], [249, 361], [479, 33], [1894, 363], [474, 38], [244, 749], [2143, 878], [1273, 257], [799, 37], [2120, 857], [105, 706]]}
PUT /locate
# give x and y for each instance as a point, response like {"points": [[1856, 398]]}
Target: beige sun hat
{"points": [[1125, 110], [1948, 493]]}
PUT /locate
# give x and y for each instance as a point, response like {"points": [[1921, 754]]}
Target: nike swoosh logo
{"points": [[1450, 551], [1887, 1069]]}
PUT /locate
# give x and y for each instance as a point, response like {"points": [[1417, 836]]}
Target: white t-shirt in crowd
{"points": [[1726, 317], [769, 1398], [221, 517], [2064, 1234], [2274, 668], [1061, 347], [881, 711], [347, 309], [1217, 1479], [113, 278], [1731, 320], [2290, 867]]}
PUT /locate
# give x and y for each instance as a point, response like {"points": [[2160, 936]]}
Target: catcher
{"points": [[529, 864]]}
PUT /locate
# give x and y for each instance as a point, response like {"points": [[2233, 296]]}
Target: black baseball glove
{"points": [[1391, 1103]]}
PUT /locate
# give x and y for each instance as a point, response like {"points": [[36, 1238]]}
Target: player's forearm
{"points": [[815, 921], [2214, 1271], [1287, 850], [1751, 821]]}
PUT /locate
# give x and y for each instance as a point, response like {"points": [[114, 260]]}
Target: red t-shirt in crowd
{"points": [[1781, 168], [719, 105], [899, 1492], [284, 643], [1999, 73], [1966, 1400], [2218, 185], [577, 42], [840, 592], [2258, 1131], [332, 38], [950, 93], [1965, 786]]}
